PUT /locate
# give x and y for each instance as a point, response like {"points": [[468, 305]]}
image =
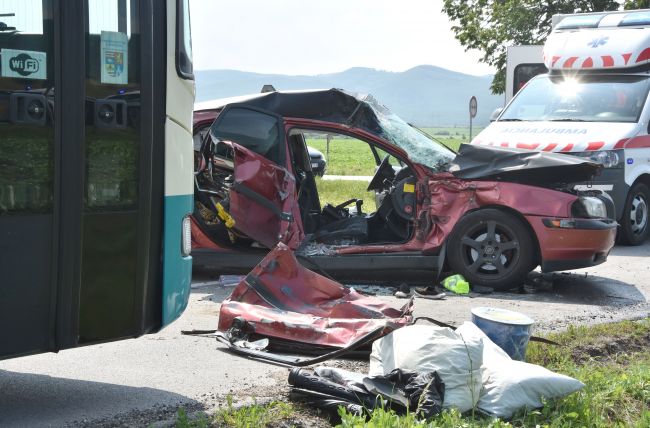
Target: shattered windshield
{"points": [[596, 98], [418, 146]]}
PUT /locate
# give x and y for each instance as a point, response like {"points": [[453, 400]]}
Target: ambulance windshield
{"points": [[594, 98]]}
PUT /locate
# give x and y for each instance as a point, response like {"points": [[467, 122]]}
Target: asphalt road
{"points": [[141, 381]]}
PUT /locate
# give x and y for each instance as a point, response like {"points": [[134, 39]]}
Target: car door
{"points": [[263, 200]]}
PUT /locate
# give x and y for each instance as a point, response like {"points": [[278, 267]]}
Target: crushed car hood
{"points": [[282, 300], [518, 165]]}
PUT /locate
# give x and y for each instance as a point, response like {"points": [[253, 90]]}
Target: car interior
{"points": [[346, 223]]}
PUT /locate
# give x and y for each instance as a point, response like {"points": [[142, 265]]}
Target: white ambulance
{"points": [[593, 103]]}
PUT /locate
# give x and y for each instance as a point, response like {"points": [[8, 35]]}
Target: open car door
{"points": [[263, 200]]}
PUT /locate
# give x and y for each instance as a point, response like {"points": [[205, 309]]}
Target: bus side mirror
{"points": [[27, 109], [110, 114], [497, 111]]}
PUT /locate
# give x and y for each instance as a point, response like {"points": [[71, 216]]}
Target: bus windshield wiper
{"points": [[510, 119], [567, 120]]}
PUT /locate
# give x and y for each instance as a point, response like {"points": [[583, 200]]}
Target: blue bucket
{"points": [[510, 330]]}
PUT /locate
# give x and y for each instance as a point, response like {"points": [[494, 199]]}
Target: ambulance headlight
{"points": [[607, 158]]}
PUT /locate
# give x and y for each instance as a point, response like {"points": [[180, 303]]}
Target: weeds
{"points": [[256, 415], [253, 416]]}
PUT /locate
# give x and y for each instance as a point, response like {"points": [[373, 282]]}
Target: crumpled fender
{"points": [[450, 198], [282, 299]]}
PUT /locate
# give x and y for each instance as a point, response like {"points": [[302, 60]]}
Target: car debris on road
{"points": [[297, 309]]}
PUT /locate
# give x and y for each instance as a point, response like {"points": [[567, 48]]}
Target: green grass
{"points": [[348, 156], [613, 360], [256, 415], [337, 191]]}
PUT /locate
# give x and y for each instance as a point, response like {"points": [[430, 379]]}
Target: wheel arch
{"points": [[643, 178], [537, 253]]}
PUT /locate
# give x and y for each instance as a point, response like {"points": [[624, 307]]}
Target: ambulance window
{"points": [[594, 98]]}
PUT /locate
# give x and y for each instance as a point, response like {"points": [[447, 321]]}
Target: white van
{"points": [[592, 103]]}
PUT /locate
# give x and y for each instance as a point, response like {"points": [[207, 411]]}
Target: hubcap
{"points": [[639, 214], [490, 249]]}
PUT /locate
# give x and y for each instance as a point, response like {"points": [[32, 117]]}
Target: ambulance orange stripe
{"points": [[644, 56], [569, 62], [595, 145], [608, 61]]}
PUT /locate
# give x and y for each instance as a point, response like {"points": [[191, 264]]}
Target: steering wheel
{"points": [[384, 171]]}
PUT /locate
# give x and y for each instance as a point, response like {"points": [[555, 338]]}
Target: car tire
{"points": [[635, 222], [491, 248]]}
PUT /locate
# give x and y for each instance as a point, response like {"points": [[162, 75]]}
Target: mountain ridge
{"points": [[425, 95]]}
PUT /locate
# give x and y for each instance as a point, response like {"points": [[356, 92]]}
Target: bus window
{"points": [[26, 101], [184, 41], [27, 104]]}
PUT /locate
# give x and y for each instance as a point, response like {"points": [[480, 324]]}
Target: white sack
{"points": [[510, 385], [423, 348]]}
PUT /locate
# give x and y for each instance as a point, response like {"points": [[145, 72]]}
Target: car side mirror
{"points": [[495, 114]]}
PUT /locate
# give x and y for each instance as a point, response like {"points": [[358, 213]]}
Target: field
{"points": [[338, 191], [348, 156]]}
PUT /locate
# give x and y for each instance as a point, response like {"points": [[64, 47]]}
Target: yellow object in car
{"points": [[224, 216]]}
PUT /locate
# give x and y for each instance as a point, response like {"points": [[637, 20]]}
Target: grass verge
{"points": [[613, 360], [276, 413]]}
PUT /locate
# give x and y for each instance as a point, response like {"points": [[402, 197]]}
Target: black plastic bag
{"points": [[400, 390]]}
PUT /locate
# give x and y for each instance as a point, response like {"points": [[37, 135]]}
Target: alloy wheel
{"points": [[490, 249]]}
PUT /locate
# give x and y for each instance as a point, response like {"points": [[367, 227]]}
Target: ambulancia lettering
{"points": [[545, 131]]}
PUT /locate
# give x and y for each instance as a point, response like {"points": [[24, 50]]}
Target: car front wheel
{"points": [[491, 248], [635, 222]]}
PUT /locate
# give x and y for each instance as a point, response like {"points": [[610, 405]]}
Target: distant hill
{"points": [[424, 95]]}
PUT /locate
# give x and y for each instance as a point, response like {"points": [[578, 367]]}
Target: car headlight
{"points": [[588, 207], [607, 158]]}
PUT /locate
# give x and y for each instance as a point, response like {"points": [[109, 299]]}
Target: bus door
{"points": [[111, 170], [82, 100]]}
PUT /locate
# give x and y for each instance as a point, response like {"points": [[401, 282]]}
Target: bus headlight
{"points": [[186, 237], [607, 158], [588, 207]]}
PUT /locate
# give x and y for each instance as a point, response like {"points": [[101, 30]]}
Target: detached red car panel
{"points": [[275, 301], [497, 213]]}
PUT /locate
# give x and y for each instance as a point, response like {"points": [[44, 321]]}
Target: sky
{"points": [[309, 37]]}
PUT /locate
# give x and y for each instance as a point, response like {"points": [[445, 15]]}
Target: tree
{"points": [[492, 25]]}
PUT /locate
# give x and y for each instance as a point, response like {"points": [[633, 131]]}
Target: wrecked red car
{"points": [[490, 214]]}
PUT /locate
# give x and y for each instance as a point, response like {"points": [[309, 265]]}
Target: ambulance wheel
{"points": [[635, 222], [491, 248]]}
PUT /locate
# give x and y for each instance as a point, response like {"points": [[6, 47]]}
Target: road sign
{"points": [[472, 107]]}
